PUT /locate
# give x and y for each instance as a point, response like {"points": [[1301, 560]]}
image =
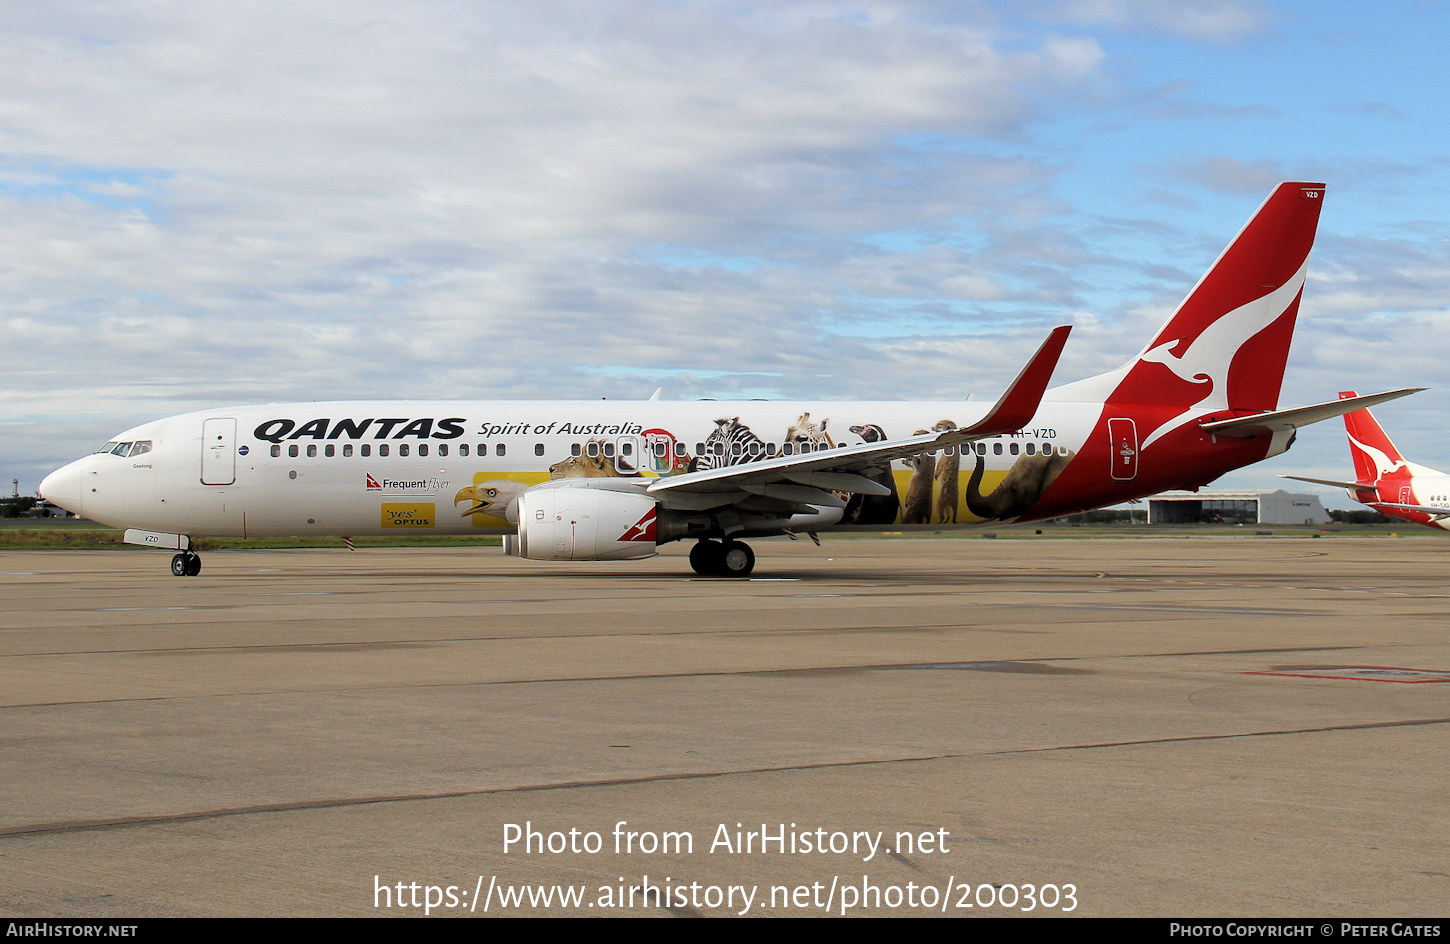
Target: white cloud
{"points": [[1217, 21], [321, 191]]}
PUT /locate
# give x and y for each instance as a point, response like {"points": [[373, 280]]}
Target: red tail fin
{"points": [[1374, 455], [1226, 345]]}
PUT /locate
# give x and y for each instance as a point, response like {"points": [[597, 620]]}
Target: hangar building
{"points": [[1223, 506]]}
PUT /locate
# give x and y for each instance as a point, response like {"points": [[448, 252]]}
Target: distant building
{"points": [[44, 509], [1224, 506]]}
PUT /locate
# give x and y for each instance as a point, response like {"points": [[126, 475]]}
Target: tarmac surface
{"points": [[1177, 727]]}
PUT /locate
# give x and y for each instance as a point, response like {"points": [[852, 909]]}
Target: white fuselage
{"points": [[379, 467]]}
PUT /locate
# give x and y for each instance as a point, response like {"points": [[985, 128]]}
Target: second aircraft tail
{"points": [[1375, 456]]}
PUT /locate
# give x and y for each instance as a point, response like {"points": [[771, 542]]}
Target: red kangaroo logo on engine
{"points": [[642, 530]]}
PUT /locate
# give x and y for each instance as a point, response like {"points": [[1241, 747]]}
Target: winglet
{"points": [[1015, 408]]}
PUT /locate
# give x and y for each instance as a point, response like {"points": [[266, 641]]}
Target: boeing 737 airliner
{"points": [[1385, 480], [606, 480]]}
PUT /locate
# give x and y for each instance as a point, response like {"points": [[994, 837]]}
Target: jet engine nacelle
{"points": [[575, 521]]}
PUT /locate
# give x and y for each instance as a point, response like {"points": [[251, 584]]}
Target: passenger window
{"points": [[366, 450], [330, 450], [346, 450], [699, 449], [292, 450], [592, 449], [500, 449], [609, 449], [312, 451], [422, 449], [574, 449], [981, 449], [661, 450], [402, 449], [1013, 447], [680, 449], [788, 449], [538, 449], [276, 450], [382, 449], [949, 451], [1032, 449], [463, 449], [996, 449], [442, 449]]}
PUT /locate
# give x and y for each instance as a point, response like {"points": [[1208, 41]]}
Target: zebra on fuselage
{"points": [[731, 443]]}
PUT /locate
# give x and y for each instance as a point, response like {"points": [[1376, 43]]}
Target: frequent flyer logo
{"points": [[422, 486]]}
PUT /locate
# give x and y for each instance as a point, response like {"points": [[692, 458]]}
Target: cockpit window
{"points": [[106, 448], [140, 448], [120, 449]]}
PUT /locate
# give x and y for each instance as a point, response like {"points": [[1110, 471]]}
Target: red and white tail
{"points": [[1223, 351], [1375, 456]]}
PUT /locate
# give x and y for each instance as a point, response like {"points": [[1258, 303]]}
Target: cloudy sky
{"points": [[211, 204]]}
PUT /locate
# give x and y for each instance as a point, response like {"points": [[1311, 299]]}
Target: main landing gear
{"points": [[186, 564], [722, 559]]}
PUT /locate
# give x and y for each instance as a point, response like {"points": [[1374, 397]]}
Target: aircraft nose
{"points": [[63, 487]]}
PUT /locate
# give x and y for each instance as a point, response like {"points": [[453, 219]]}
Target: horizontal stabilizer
{"points": [[1282, 420], [1331, 482], [1422, 509]]}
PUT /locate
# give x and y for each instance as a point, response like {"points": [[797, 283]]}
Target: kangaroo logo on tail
{"points": [[1226, 345], [1374, 455], [1383, 464], [1208, 357]]}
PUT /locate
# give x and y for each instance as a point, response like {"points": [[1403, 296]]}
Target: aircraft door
{"points": [[1123, 439], [630, 458], [659, 449], [1405, 497], [218, 451]]}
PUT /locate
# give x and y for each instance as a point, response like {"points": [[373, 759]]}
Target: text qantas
{"points": [[403, 427]]}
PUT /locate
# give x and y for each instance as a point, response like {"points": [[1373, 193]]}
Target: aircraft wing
{"points": [[1352, 486], [1281, 420], [802, 478]]}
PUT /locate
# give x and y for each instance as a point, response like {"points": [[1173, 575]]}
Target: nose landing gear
{"points": [[186, 564], [722, 559]]}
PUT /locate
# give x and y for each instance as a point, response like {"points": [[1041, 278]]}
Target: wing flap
{"points": [[840, 481]]}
